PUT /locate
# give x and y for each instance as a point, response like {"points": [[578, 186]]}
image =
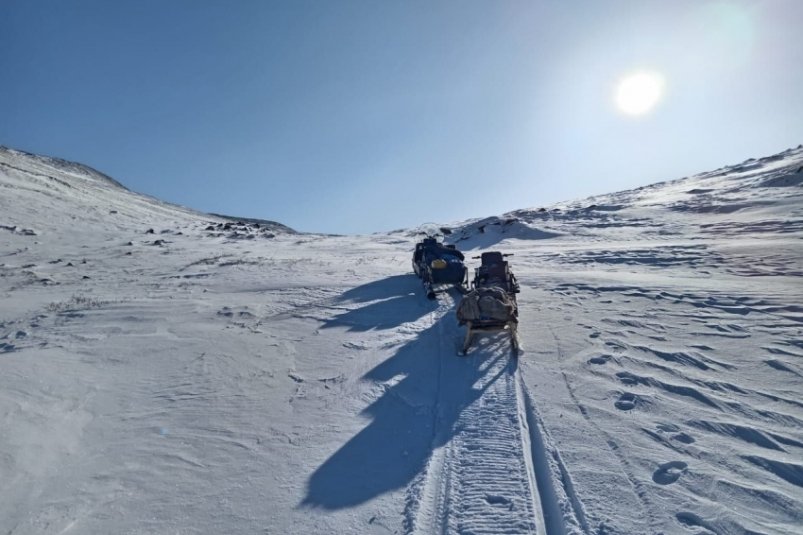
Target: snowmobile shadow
{"points": [[390, 305], [395, 286], [414, 415]]}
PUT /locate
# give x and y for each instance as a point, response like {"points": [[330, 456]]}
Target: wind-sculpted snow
{"points": [[167, 371]]}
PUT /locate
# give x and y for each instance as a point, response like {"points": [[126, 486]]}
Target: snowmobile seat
{"points": [[493, 257], [495, 271]]}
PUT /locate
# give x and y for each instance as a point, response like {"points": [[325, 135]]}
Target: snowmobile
{"points": [[491, 304], [439, 266], [494, 270]]}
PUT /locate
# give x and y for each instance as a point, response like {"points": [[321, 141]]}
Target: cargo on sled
{"points": [[491, 305]]}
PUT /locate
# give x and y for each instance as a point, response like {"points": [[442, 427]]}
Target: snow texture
{"points": [[169, 371]]}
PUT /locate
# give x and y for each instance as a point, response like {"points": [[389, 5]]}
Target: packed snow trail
{"points": [[481, 477]]}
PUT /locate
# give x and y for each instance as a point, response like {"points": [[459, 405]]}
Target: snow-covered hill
{"points": [[51, 193], [168, 371]]}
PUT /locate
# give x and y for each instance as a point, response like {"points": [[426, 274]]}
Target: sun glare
{"points": [[638, 93]]}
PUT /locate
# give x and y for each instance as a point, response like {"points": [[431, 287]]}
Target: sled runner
{"points": [[486, 326], [485, 310]]}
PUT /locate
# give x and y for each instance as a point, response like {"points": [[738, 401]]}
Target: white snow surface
{"points": [[168, 371]]}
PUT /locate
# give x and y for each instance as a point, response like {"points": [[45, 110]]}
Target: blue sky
{"points": [[364, 116]]}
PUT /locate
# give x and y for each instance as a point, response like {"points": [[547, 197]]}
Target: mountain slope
{"points": [[755, 198], [171, 371], [52, 187]]}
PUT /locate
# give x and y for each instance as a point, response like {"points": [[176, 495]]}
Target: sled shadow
{"points": [[393, 301], [412, 417]]}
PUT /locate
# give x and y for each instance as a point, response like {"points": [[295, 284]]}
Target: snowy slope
{"points": [[167, 371]]}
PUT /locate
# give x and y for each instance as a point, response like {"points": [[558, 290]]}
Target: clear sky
{"points": [[363, 116]]}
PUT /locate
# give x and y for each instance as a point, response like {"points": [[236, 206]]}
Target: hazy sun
{"points": [[638, 93]]}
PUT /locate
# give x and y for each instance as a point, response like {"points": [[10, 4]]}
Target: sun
{"points": [[638, 93]]}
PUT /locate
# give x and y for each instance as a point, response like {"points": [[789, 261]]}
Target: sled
{"points": [[474, 327], [491, 306]]}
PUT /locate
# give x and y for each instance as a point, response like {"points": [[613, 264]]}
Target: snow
{"points": [[169, 371]]}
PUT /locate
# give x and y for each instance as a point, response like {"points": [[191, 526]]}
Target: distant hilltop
{"points": [[81, 193]]}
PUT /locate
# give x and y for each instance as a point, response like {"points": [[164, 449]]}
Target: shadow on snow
{"points": [[391, 301], [427, 386], [395, 286]]}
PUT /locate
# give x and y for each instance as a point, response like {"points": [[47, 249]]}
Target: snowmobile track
{"points": [[483, 476]]}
